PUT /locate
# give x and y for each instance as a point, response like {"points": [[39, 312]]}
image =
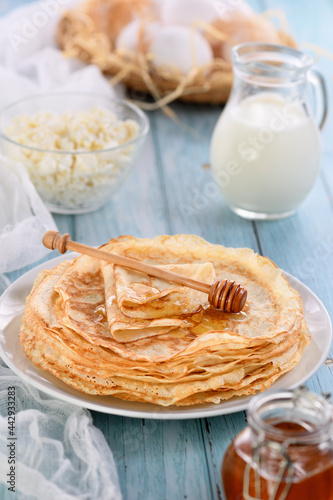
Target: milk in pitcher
{"points": [[265, 155]]}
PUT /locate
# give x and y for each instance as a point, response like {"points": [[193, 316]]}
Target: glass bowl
{"points": [[78, 148]]}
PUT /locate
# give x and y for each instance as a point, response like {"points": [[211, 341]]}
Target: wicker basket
{"points": [[78, 37]]}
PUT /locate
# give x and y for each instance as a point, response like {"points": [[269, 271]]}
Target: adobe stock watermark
{"points": [[143, 431], [225, 7], [11, 439], [202, 198], [322, 251], [33, 23], [248, 150]]}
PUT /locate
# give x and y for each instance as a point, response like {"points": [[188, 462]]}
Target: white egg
{"points": [[129, 36], [181, 47], [185, 12]]}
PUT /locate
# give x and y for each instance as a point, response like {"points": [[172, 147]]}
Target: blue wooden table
{"points": [[173, 460]]}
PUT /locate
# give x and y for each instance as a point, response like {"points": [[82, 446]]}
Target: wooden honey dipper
{"points": [[225, 294]]}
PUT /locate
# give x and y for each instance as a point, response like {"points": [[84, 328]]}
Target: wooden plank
{"points": [[218, 434], [194, 202], [156, 460]]}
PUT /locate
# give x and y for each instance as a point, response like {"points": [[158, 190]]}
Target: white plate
{"points": [[11, 309]]}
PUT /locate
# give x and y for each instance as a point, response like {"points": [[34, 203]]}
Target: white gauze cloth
{"points": [[60, 455], [31, 62], [23, 218]]}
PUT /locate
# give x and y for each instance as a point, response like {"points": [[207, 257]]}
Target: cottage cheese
{"points": [[69, 156]]}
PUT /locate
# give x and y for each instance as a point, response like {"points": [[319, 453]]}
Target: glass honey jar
{"points": [[285, 453]]}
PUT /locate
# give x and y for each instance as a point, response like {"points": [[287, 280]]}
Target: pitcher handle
{"points": [[317, 81]]}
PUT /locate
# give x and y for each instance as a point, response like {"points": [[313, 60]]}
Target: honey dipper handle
{"points": [[54, 240]]}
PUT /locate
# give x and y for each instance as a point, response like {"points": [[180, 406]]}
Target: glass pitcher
{"points": [[285, 453], [266, 145]]}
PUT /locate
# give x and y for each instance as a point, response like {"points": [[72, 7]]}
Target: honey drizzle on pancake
{"points": [[100, 313], [213, 319], [205, 320]]}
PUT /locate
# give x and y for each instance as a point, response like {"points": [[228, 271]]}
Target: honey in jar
{"points": [[285, 453]]}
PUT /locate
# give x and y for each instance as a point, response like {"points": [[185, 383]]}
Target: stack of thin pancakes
{"points": [[108, 330]]}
